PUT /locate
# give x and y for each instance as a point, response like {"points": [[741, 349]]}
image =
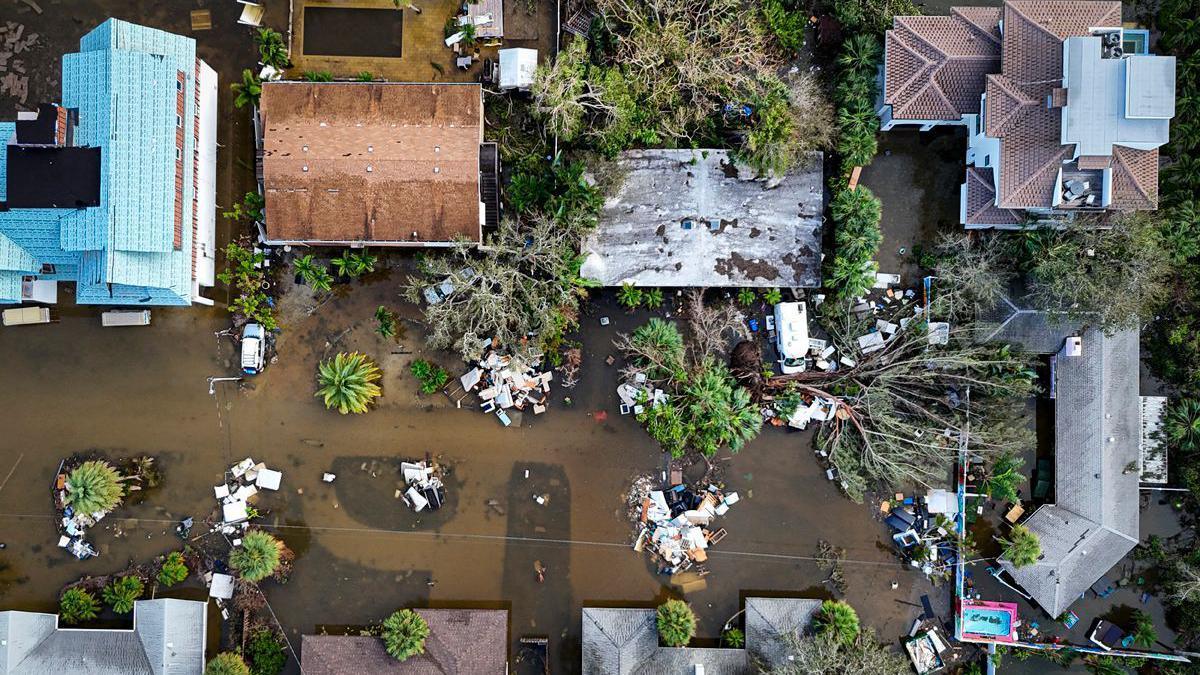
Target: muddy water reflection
{"points": [[75, 386]]}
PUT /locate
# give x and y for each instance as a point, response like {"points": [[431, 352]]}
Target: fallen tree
{"points": [[902, 410]]}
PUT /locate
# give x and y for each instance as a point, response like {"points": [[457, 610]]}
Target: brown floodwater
{"points": [[75, 387]]}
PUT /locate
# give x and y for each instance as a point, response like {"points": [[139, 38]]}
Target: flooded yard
{"points": [[360, 552]]}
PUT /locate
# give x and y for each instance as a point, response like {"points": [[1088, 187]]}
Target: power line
{"points": [[468, 536]]}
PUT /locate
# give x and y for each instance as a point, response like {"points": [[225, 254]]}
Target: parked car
{"points": [[254, 348], [791, 322]]}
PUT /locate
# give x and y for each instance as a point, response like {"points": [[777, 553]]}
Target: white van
{"points": [[791, 322], [254, 348]]}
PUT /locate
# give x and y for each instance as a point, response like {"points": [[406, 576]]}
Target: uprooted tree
{"points": [[706, 408], [902, 410]]}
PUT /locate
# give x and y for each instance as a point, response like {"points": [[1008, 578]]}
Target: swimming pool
{"points": [[987, 621]]}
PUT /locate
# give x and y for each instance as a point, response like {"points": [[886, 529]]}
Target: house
{"points": [[1093, 521], [375, 163], [460, 641], [684, 218], [1064, 108], [114, 187], [625, 641], [168, 636]]}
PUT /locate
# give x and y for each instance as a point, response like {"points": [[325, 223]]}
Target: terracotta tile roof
{"points": [[1135, 179], [1094, 161], [371, 162], [1018, 102], [936, 65], [471, 641], [981, 201]]}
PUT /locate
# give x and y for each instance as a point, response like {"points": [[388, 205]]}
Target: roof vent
{"points": [[369, 168], [304, 168], [304, 148], [370, 148], [436, 170], [1074, 346]]}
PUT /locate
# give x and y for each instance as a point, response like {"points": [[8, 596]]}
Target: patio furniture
{"points": [[252, 13]]}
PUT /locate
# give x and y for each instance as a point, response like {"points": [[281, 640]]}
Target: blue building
{"points": [[114, 187]]}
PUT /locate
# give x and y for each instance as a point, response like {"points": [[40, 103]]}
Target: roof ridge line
{"points": [[1032, 175]]}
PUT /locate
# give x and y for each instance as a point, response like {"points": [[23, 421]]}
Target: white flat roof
{"points": [[1150, 87]]}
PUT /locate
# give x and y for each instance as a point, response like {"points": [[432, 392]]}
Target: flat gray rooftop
{"points": [[683, 218]]}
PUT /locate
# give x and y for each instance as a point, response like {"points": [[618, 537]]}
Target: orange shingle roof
{"points": [[981, 201], [372, 162]]}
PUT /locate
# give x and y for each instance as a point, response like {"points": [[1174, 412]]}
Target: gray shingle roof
{"points": [[763, 237], [1094, 520], [625, 641], [1015, 321], [460, 641], [167, 639]]}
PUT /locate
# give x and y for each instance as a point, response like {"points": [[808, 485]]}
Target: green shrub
{"points": [[76, 606], [94, 487], [174, 570], [787, 21], [226, 663], [266, 652], [734, 638], [121, 593], [258, 557], [856, 214], [431, 376], [386, 323], [676, 623], [629, 296], [404, 634]]}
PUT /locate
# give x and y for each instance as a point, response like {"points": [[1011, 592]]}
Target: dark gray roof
{"points": [[167, 639], [625, 641], [1016, 322], [460, 641], [765, 236], [1093, 523]]}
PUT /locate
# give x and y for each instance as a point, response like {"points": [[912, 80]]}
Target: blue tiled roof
{"points": [[123, 82]]}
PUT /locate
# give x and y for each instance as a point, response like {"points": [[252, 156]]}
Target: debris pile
{"points": [[506, 382], [675, 525], [13, 41], [923, 530], [242, 482], [635, 395], [73, 526], [425, 487]]}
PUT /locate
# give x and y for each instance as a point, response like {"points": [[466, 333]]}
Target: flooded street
{"points": [[361, 552]]}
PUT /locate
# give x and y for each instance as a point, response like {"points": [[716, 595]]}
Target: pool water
{"points": [[983, 621]]}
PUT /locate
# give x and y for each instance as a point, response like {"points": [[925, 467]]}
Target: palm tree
{"points": [[322, 281], [1006, 475], [365, 76], [361, 263], [1022, 547], [404, 634], [347, 382], [77, 605], [839, 619], [94, 487], [227, 663], [676, 623], [1183, 425], [629, 296], [746, 297], [248, 90], [271, 50], [652, 298], [258, 556], [1144, 634], [121, 593], [317, 76], [174, 569], [342, 265], [386, 322], [772, 296], [306, 268], [860, 52]]}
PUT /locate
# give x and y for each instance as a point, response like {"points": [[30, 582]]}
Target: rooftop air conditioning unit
{"points": [[1112, 39]]}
